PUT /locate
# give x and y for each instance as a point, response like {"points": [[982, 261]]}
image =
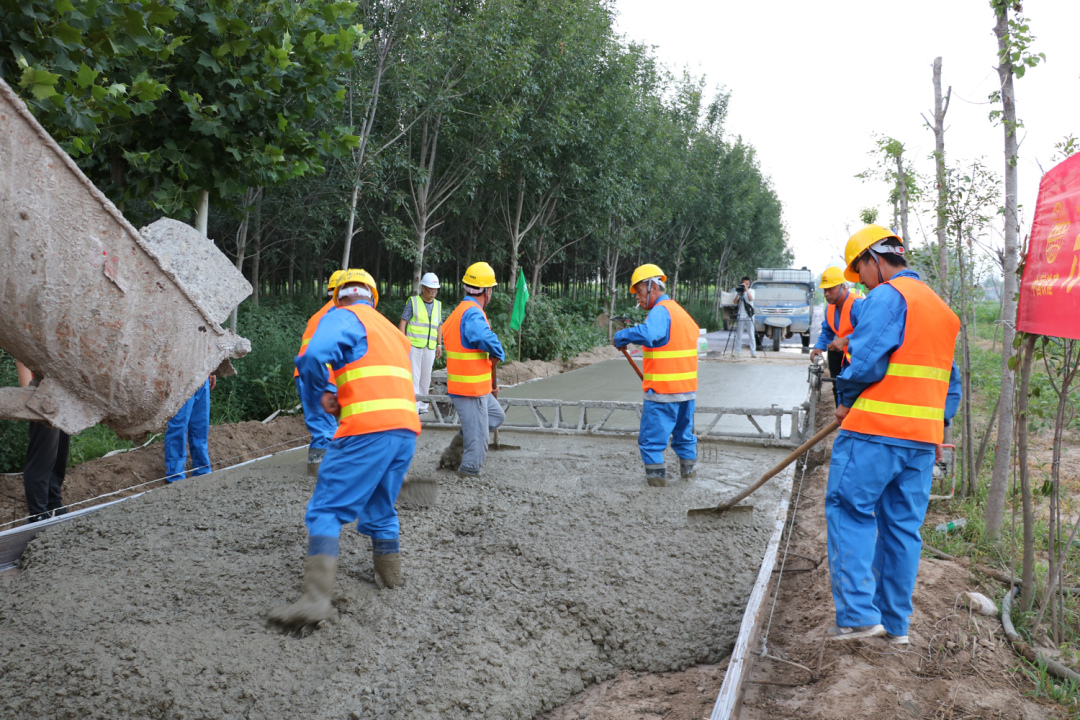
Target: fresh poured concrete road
{"points": [[720, 384]]}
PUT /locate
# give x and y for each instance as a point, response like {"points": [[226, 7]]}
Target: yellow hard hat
{"points": [[857, 244], [644, 272], [479, 274], [832, 277], [357, 276], [334, 279]]}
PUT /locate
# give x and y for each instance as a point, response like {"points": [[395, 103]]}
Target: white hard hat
{"points": [[430, 280]]}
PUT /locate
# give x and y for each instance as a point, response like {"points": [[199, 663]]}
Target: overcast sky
{"points": [[811, 83]]}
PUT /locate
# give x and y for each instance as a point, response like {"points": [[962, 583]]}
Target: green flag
{"points": [[521, 296]]}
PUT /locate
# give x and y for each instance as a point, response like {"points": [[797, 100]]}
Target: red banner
{"points": [[1050, 286]]}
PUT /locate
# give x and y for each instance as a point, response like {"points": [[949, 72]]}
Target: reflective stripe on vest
{"points": [[309, 331], [376, 391], [421, 329], [909, 402], [468, 371], [672, 368]]}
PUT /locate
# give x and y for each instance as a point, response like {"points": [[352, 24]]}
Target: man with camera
{"points": [[745, 317]]}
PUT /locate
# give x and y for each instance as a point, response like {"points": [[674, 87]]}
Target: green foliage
{"points": [[93, 443], [551, 330], [703, 316], [13, 433], [160, 99]]}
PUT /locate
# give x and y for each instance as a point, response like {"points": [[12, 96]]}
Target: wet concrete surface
{"points": [[720, 384], [556, 569]]}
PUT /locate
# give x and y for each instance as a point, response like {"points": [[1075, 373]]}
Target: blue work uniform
{"points": [[361, 475], [321, 424], [189, 426], [663, 416], [479, 415], [879, 486]]}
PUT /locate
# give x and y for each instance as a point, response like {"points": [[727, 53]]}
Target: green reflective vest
{"points": [[423, 331]]}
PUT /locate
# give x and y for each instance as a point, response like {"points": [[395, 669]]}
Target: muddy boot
{"points": [[686, 468], [386, 555], [656, 476], [314, 457], [314, 604], [451, 456]]}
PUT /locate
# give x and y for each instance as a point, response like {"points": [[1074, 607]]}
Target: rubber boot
{"points": [[451, 456], [386, 556], [686, 468], [314, 604], [314, 457], [656, 476]]}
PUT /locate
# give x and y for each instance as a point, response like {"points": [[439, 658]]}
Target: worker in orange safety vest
{"points": [[320, 424], [361, 475], [668, 338], [837, 326], [896, 397]]}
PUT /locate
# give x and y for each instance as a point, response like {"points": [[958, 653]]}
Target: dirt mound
{"points": [[229, 444], [555, 570]]}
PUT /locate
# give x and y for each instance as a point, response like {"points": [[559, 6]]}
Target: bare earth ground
{"points": [[958, 666]]}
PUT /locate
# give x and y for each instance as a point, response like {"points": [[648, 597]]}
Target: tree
{"points": [[1014, 58], [940, 108]]}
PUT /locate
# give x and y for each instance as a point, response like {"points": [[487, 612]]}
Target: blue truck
{"points": [[783, 305]]}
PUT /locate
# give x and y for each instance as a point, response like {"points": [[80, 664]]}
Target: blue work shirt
{"points": [[827, 335], [882, 316], [654, 332], [476, 334]]}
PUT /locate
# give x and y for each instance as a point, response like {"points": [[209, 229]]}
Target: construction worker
{"points": [[361, 475], [472, 351], [898, 393], [421, 321], [320, 423], [838, 323], [190, 426], [669, 340]]}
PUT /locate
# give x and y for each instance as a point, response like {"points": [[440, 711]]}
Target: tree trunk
{"points": [[901, 186], [241, 242], [995, 499], [1027, 587], [965, 373], [940, 109], [202, 214], [613, 267]]}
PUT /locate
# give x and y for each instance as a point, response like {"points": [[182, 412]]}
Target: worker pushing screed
{"points": [[669, 340], [896, 397], [321, 424], [361, 475], [842, 307], [472, 350]]}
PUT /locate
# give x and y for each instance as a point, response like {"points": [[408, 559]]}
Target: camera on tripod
{"points": [[740, 288]]}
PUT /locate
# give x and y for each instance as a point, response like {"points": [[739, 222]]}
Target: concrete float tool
{"points": [[729, 504]]}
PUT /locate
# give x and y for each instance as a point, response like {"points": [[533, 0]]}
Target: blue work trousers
{"points": [[189, 426], [661, 421], [321, 424], [359, 479], [874, 506]]}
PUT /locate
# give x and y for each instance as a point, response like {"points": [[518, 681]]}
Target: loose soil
{"points": [[230, 444], [557, 569]]}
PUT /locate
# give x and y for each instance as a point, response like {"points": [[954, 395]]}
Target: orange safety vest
{"points": [[376, 391], [309, 331], [672, 369], [468, 372], [909, 402], [845, 328]]}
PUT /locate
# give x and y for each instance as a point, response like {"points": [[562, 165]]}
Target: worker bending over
{"points": [[472, 352], [669, 340], [320, 423], [837, 326], [898, 393], [421, 321], [362, 472]]}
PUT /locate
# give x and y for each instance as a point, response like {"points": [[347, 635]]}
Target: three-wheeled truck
{"points": [[783, 305]]}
